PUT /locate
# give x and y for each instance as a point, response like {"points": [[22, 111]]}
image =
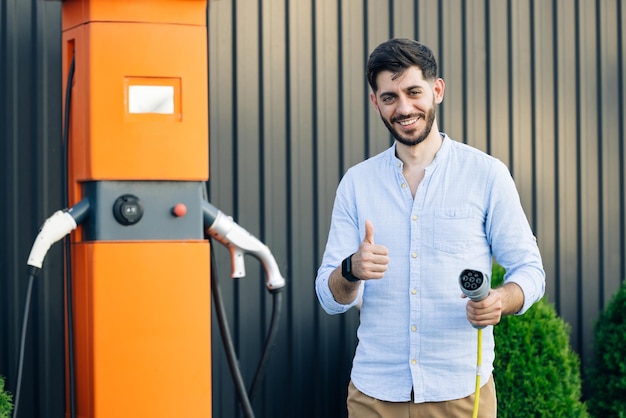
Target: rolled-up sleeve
{"points": [[326, 298], [343, 240], [512, 241], [532, 286]]}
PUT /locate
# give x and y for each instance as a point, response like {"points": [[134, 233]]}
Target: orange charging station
{"points": [[138, 151]]}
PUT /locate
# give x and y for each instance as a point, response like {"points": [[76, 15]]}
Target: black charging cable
{"points": [[245, 397], [229, 348], [66, 242], [277, 300], [20, 363], [34, 271]]}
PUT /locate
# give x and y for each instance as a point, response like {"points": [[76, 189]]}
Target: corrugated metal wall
{"points": [[537, 83], [30, 190]]}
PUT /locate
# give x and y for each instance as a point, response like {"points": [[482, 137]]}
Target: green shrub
{"points": [[5, 401], [607, 378], [536, 372]]}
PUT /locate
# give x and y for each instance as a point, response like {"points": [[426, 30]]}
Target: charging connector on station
{"points": [[240, 242], [56, 227]]}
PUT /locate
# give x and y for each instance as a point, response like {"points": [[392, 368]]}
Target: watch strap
{"points": [[346, 270]]}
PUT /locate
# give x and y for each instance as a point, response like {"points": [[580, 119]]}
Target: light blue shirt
{"points": [[413, 332]]}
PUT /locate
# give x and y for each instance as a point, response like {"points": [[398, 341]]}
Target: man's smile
{"points": [[408, 122]]}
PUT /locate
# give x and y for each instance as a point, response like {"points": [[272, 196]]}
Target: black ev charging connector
{"points": [[55, 228], [239, 243], [476, 285]]}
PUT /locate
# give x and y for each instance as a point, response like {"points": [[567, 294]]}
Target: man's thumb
{"points": [[369, 232]]}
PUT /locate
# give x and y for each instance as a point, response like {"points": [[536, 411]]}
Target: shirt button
{"points": [[403, 185], [414, 255], [413, 361], [414, 217], [413, 328], [413, 292]]}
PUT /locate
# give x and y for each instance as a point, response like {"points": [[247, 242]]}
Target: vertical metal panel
{"points": [[354, 98], [222, 85], [429, 24], [403, 18], [588, 171], [538, 84], [248, 319], [499, 87], [453, 68], [521, 137], [327, 138], [621, 90], [568, 165], [610, 140], [377, 29], [274, 105], [474, 56], [301, 192], [543, 131]]}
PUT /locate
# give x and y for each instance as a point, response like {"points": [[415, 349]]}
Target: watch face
{"points": [[345, 267], [346, 270]]}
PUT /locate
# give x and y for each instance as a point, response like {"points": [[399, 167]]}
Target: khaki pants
{"points": [[362, 406]]}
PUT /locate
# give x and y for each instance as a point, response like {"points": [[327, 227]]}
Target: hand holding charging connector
{"points": [[56, 227], [475, 285], [240, 242]]}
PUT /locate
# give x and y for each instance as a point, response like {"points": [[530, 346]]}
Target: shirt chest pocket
{"points": [[453, 230]]}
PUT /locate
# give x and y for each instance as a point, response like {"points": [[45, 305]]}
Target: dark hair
{"points": [[398, 54]]}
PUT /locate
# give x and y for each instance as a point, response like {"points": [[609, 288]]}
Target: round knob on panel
{"points": [[179, 210]]}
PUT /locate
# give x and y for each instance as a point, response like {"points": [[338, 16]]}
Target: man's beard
{"points": [[429, 119]]}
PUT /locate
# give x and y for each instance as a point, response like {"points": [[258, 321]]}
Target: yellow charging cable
{"points": [[479, 362]]}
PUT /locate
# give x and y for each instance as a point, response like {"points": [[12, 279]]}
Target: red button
{"points": [[179, 210]]}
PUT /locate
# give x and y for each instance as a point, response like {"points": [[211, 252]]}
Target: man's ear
{"points": [[374, 101], [438, 89]]}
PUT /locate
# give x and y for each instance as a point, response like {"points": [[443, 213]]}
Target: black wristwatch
{"points": [[346, 270]]}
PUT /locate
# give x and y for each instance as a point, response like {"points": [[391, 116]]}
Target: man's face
{"points": [[406, 104]]}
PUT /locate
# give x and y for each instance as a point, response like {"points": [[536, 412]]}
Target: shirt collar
{"points": [[440, 156]]}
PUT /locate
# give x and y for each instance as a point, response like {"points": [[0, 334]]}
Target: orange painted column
{"points": [[140, 270], [123, 48]]}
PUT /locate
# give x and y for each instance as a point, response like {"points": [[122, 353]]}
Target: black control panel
{"points": [[143, 210]]}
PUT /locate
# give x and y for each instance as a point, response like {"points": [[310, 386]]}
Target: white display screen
{"points": [[151, 99]]}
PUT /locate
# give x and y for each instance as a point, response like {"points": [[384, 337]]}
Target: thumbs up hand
{"points": [[370, 261]]}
